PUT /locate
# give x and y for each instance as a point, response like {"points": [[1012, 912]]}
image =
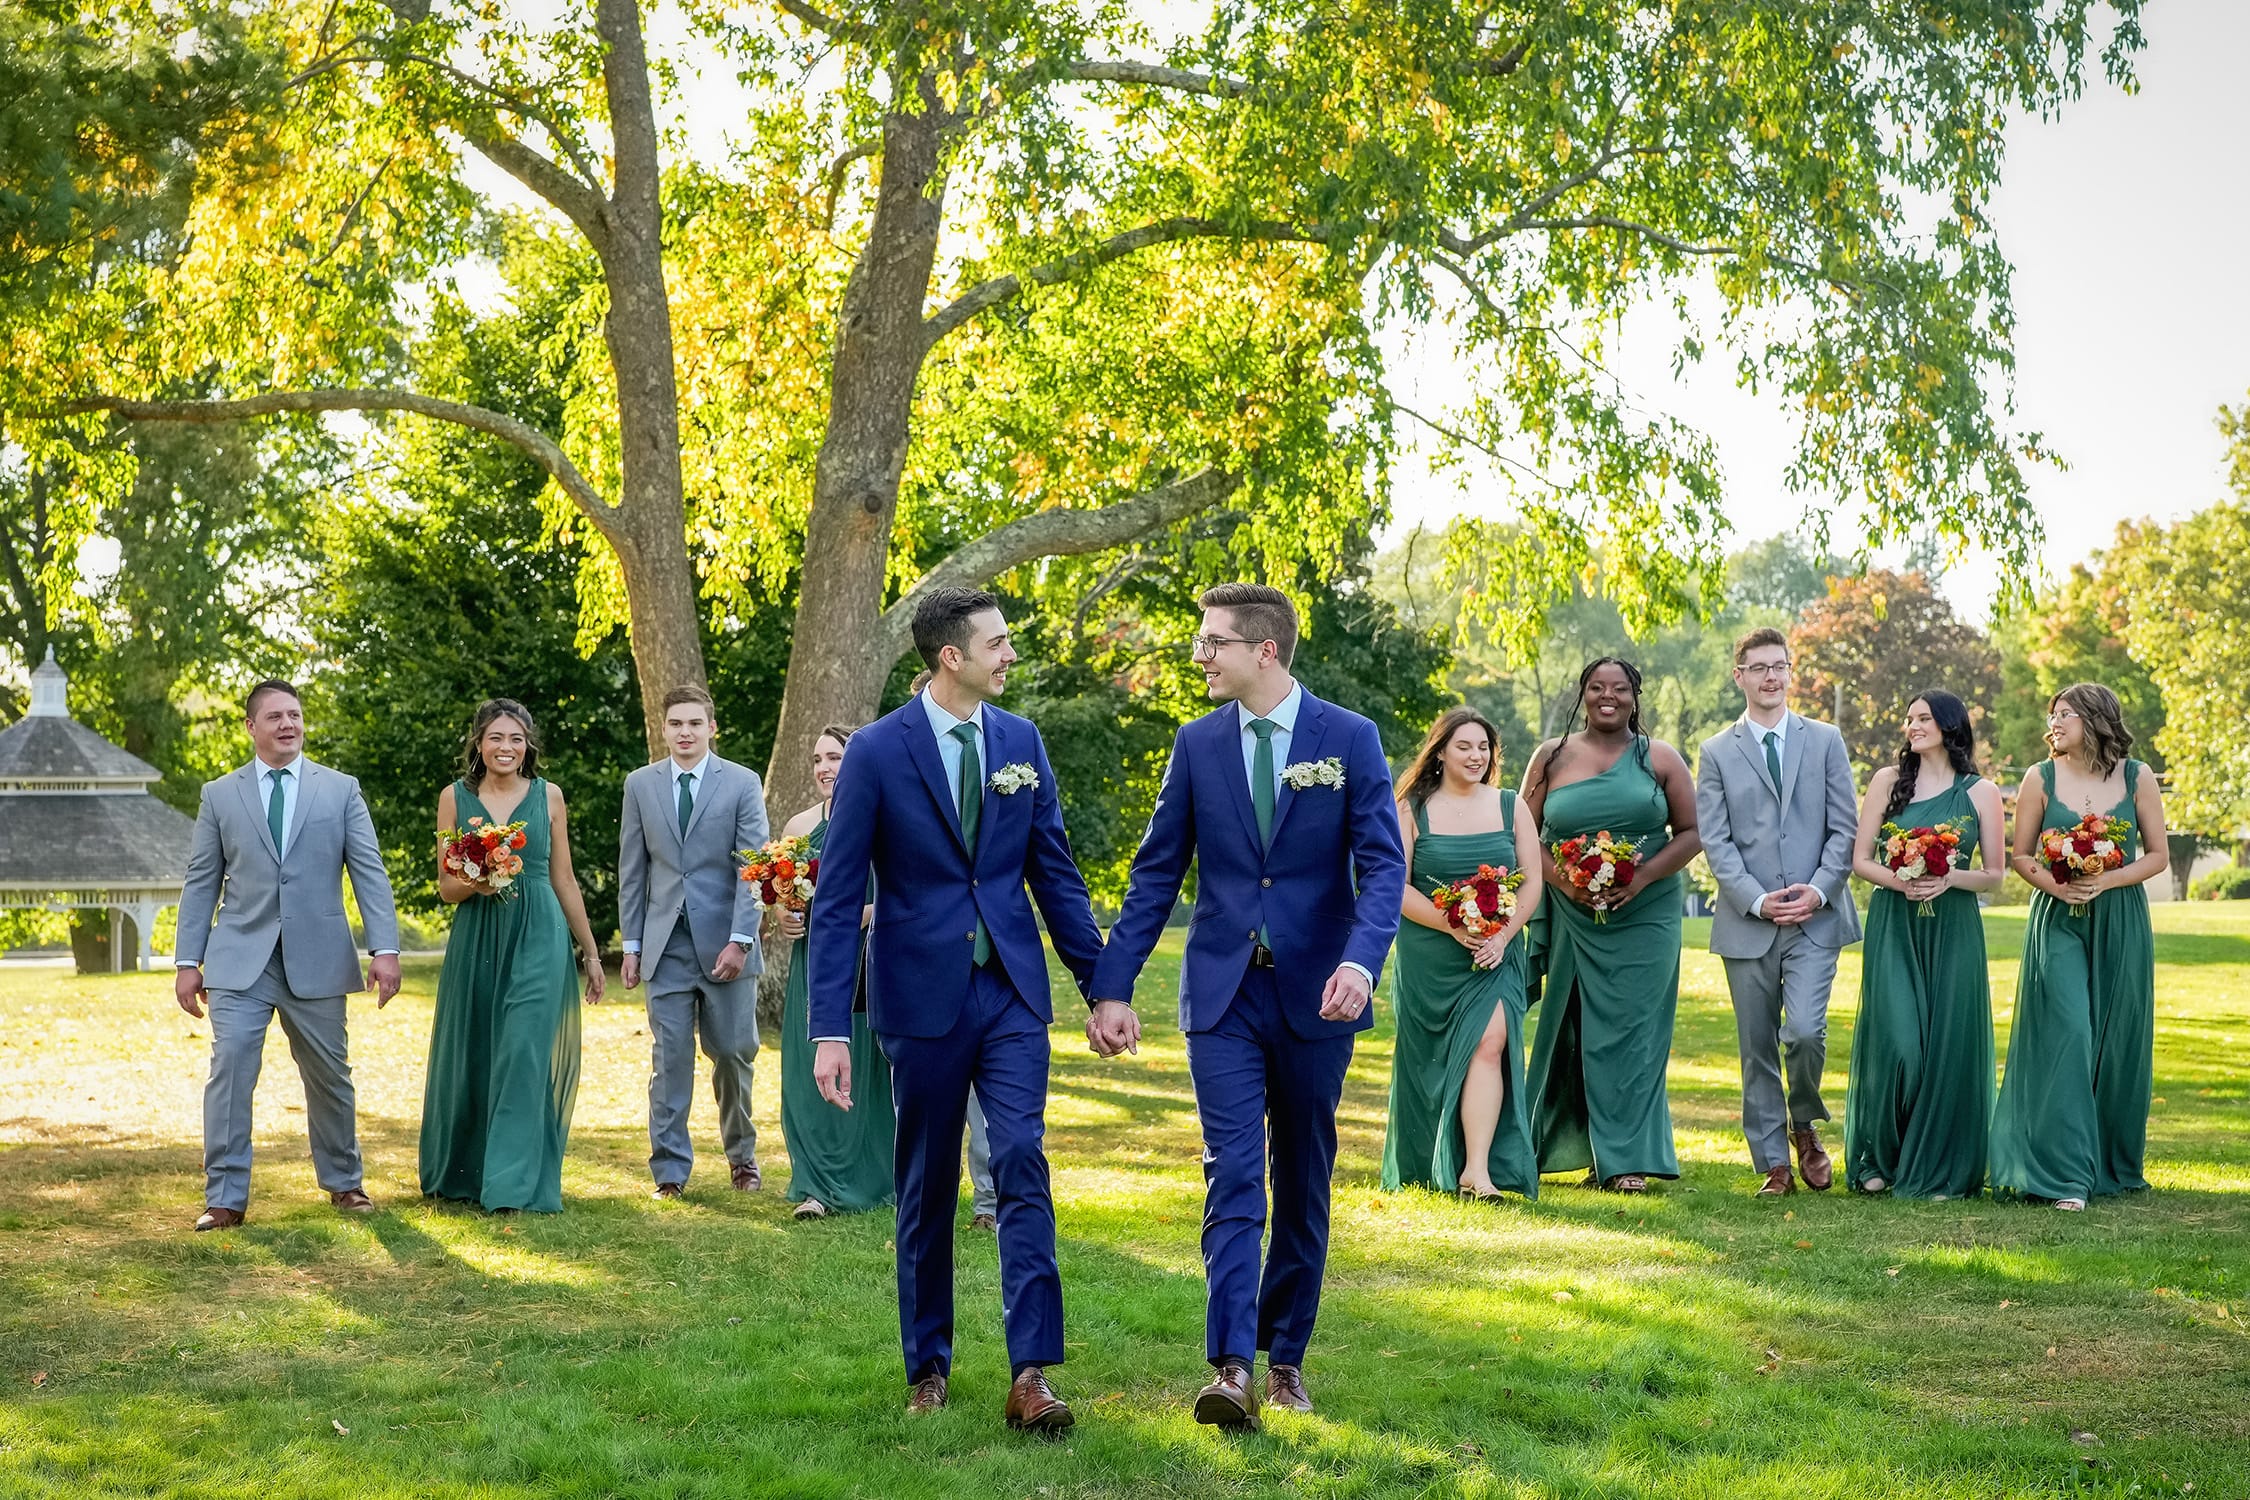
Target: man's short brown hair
{"points": [[1260, 614], [1764, 635], [688, 692]]}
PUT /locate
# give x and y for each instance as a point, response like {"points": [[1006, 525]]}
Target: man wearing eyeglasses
{"points": [[1776, 803]]}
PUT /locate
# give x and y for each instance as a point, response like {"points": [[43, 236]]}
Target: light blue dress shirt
{"points": [[949, 748]]}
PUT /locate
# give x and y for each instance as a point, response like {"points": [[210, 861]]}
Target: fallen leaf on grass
{"points": [[39, 1379], [1791, 1214], [341, 1429], [1892, 1270], [2005, 1302], [1804, 1244], [1562, 1296], [1773, 1362], [2050, 1351], [2084, 1437], [731, 1322]]}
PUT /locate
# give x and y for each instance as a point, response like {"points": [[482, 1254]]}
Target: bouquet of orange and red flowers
{"points": [[2089, 847], [484, 854], [1482, 903], [1600, 864], [1921, 853], [784, 872]]}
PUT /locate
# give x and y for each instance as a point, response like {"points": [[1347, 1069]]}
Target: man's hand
{"points": [[1790, 905], [187, 988], [1113, 1027], [630, 971], [832, 1072], [728, 965], [1346, 994], [382, 972]]}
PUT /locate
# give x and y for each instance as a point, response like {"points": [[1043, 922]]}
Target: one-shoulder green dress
{"points": [[1921, 1078], [1610, 992], [2073, 1114], [842, 1157], [504, 1044], [1443, 1004]]}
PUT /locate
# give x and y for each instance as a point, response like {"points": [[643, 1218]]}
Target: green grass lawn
{"points": [[1699, 1342]]}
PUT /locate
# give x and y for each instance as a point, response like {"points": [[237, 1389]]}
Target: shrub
{"points": [[2227, 883]]}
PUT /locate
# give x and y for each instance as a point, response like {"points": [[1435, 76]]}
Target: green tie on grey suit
{"points": [[971, 795], [1261, 795], [687, 799], [1773, 759], [274, 819]]}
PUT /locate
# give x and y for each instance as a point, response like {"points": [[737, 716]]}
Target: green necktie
{"points": [[274, 819], [971, 793], [1261, 777], [1773, 759], [687, 799]]}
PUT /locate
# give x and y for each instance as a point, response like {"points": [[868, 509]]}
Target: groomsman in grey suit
{"points": [[680, 898], [1776, 804], [262, 934]]}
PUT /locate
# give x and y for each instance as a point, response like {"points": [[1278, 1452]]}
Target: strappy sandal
{"points": [[1469, 1194], [2071, 1205], [1626, 1182], [811, 1208]]}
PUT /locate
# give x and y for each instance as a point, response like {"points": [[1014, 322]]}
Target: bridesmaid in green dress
{"points": [[1611, 961], [504, 1044], [2073, 1117], [1921, 1081], [1458, 1119], [839, 1159]]}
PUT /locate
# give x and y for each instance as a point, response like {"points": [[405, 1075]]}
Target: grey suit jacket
{"points": [[1757, 841], [664, 878], [261, 899]]}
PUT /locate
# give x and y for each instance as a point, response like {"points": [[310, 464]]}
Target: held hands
{"points": [[382, 972], [187, 988], [728, 965], [1346, 994], [832, 1072], [1113, 1028], [629, 970]]}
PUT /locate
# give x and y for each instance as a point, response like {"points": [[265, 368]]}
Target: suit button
{"points": [[973, 883], [1266, 880], [971, 934], [1253, 934]]}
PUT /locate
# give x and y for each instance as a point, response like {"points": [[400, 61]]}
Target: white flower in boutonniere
{"points": [[1306, 774], [1011, 779]]}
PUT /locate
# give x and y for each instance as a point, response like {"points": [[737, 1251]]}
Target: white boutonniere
{"points": [[1306, 774], [1011, 779]]}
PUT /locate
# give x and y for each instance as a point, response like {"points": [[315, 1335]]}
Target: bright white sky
{"points": [[2128, 220]]}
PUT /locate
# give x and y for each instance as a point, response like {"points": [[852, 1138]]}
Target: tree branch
{"points": [[1000, 289], [836, 171], [1059, 532], [581, 204], [526, 439], [828, 25], [1156, 75]]}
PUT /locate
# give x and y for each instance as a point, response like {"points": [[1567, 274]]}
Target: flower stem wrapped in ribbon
{"points": [[2092, 846], [484, 854], [1599, 864], [784, 872], [1480, 904], [1922, 854]]}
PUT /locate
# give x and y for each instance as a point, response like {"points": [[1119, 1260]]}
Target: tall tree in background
{"points": [[1882, 638], [1159, 261]]}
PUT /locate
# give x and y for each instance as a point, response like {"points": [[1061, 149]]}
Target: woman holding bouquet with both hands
{"points": [[839, 1160], [1921, 1079], [1608, 936], [1458, 1120], [2073, 1117], [504, 1045]]}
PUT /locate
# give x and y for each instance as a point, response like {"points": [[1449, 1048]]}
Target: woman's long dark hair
{"points": [[1960, 739], [1427, 769], [472, 755], [1632, 725]]}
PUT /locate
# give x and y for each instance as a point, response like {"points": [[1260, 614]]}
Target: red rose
{"points": [[1590, 866], [517, 842], [812, 870], [1624, 872]]}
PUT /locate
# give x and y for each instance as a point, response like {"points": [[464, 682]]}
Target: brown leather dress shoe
{"points": [[353, 1201], [747, 1179], [927, 1396], [985, 1222], [215, 1217], [1812, 1161], [1033, 1405], [1780, 1182], [670, 1190], [1285, 1386], [1228, 1401]]}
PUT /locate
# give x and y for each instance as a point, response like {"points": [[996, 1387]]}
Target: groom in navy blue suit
{"points": [[951, 804], [1283, 802]]}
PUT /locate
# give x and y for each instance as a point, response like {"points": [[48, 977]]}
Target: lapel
{"points": [[253, 803], [1226, 725], [1304, 745], [995, 756], [921, 748], [712, 771], [1792, 760], [1753, 756], [306, 771], [665, 811]]}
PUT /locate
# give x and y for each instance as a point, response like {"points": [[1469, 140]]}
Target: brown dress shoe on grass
{"points": [[747, 1179], [1812, 1161], [670, 1190], [927, 1396], [1228, 1401], [985, 1222], [1780, 1183], [1033, 1405], [1285, 1387], [353, 1201], [215, 1217]]}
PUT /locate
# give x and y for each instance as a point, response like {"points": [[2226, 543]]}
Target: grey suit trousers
{"points": [[315, 1028], [682, 1003], [1781, 1021]]}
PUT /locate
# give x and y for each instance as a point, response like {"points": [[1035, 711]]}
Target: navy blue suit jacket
{"points": [[1327, 888], [894, 815]]}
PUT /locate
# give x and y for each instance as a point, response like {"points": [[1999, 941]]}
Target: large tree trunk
{"points": [[835, 674]]}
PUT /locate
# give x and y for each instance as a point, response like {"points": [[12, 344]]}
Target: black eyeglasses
{"points": [[1208, 645]]}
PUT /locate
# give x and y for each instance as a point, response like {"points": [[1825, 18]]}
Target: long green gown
{"points": [[2073, 1115], [504, 1046], [1444, 1003], [1921, 1079], [841, 1157], [1611, 990]]}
